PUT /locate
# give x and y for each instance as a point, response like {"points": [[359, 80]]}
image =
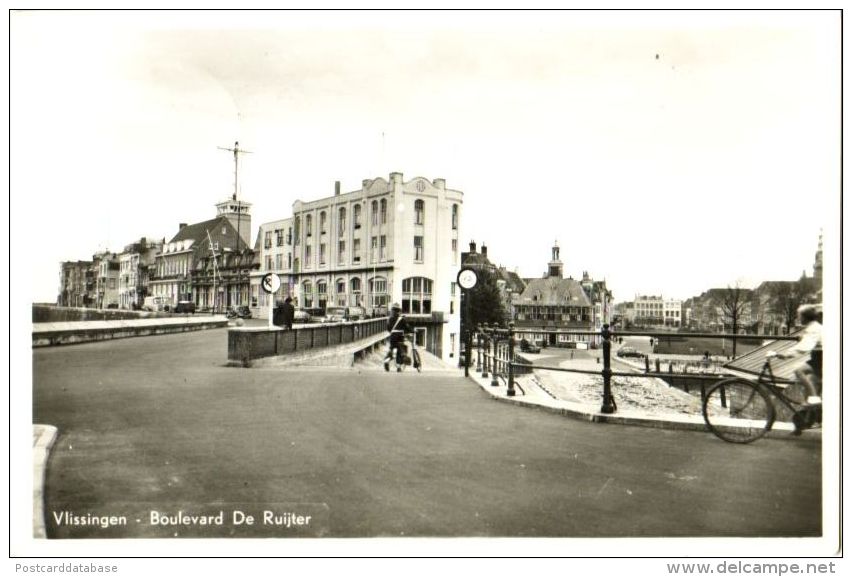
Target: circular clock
{"points": [[270, 283], [467, 278]]}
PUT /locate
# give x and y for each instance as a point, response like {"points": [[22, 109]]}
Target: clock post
{"points": [[467, 280], [270, 283]]}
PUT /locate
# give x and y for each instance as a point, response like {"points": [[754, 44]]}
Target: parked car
{"points": [[153, 304], [528, 347], [301, 316], [629, 352], [242, 312], [334, 315], [185, 307], [355, 314]]}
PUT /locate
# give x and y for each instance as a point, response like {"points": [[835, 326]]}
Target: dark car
{"points": [[629, 352], [528, 347], [185, 307]]}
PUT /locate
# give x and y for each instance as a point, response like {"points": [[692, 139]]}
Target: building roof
{"points": [[198, 231], [751, 363], [554, 291]]}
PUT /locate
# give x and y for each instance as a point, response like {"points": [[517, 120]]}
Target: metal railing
{"points": [[496, 356]]}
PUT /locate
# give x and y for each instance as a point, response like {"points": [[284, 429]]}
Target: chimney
{"points": [[181, 225], [472, 247], [336, 188], [484, 251]]}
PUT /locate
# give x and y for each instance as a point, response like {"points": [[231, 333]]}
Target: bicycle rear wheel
{"points": [[738, 411]]}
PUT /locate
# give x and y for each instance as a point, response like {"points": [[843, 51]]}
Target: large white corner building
{"points": [[389, 241]]}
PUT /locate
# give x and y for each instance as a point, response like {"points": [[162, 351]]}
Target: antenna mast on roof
{"points": [[237, 151]]}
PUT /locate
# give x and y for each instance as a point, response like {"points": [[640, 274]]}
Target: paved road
{"points": [[158, 423]]}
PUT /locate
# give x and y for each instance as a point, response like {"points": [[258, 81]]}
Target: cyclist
{"points": [[397, 327], [808, 352]]}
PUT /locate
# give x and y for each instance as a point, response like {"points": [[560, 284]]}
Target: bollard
{"points": [[495, 366], [479, 349], [647, 364], [608, 406], [657, 365]]}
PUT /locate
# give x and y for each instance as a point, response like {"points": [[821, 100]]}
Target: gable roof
{"points": [[554, 291], [752, 362]]}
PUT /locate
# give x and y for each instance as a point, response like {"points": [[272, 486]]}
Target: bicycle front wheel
{"points": [[738, 411], [416, 360]]}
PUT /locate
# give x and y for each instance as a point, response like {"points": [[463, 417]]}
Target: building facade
{"points": [[209, 262], [135, 264], [106, 281], [75, 284], [389, 241], [554, 303]]}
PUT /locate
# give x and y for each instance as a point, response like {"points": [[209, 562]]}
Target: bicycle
{"points": [[402, 357], [740, 410]]}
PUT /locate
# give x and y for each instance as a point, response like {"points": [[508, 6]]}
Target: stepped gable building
{"points": [[554, 302], [388, 241], [209, 262]]}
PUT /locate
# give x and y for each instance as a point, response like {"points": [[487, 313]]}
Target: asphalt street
{"points": [[159, 424]]}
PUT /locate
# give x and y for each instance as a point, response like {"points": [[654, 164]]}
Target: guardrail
{"points": [[246, 344], [496, 355]]}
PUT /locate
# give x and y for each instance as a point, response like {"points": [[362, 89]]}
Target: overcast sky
{"points": [[668, 153]]}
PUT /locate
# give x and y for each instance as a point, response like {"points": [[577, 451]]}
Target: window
{"points": [[419, 208], [267, 239], [322, 294], [322, 253], [378, 292], [356, 216], [277, 261], [307, 294], [355, 291], [341, 292], [323, 224], [418, 249], [279, 237], [417, 295], [341, 221], [384, 211], [289, 235], [452, 289], [383, 245], [455, 251], [356, 250], [308, 255], [341, 251], [308, 225], [289, 260], [455, 217], [296, 229], [375, 213], [374, 246]]}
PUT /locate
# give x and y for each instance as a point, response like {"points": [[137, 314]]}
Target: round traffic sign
{"points": [[467, 278]]}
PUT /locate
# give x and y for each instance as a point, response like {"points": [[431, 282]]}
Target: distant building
{"points": [[509, 283], [209, 262], [274, 249], [75, 284], [135, 264], [554, 302], [106, 281]]}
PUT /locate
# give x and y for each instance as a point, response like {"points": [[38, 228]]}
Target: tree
{"points": [[789, 296], [486, 302], [735, 302]]}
